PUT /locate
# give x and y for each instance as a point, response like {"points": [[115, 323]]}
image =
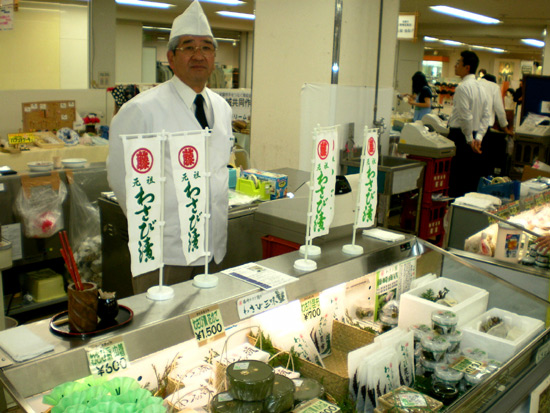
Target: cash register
{"points": [[417, 139]]}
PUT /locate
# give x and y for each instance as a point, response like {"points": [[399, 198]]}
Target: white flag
{"points": [[368, 186], [188, 154], [324, 180], [142, 159]]}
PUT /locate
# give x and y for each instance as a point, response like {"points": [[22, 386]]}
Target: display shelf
{"points": [[159, 326]]}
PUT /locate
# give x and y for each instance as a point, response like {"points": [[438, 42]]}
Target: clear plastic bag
{"points": [[39, 205], [83, 214]]}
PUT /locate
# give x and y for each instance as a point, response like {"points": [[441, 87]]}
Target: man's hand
{"points": [[476, 146]]}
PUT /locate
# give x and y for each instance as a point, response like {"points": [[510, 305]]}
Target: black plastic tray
{"points": [[124, 317]]}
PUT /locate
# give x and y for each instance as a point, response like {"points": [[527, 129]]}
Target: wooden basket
{"points": [[334, 377]]}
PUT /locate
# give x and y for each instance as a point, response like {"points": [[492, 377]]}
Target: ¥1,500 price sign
{"points": [[207, 324], [107, 357], [311, 307]]}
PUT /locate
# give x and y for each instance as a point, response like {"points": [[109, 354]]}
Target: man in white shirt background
{"points": [[173, 107], [469, 117]]}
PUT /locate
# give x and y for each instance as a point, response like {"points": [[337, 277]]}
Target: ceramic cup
{"points": [[82, 308]]}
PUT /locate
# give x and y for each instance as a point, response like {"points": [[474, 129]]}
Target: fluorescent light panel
{"points": [[236, 15], [141, 3], [452, 42], [463, 14], [533, 42]]}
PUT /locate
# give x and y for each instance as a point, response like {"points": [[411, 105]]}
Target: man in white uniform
{"points": [[173, 106], [470, 116]]}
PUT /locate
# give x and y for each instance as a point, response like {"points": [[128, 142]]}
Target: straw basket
{"points": [[334, 377]]}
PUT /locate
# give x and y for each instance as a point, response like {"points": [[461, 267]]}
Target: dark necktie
{"points": [[199, 111]]}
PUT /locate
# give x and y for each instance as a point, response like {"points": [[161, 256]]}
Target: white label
{"points": [[542, 352], [43, 106], [545, 106], [224, 397], [207, 324], [2, 187], [258, 303], [241, 366], [63, 105], [108, 357]]}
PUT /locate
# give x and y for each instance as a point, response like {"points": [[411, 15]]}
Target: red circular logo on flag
{"points": [[188, 157], [142, 160], [322, 149], [371, 146]]}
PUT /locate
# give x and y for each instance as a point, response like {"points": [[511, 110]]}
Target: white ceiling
{"points": [[521, 19]]}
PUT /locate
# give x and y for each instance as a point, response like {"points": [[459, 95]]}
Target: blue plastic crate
{"points": [[505, 191]]}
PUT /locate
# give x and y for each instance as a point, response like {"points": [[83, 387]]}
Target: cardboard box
{"points": [[530, 173], [413, 309], [497, 348], [278, 182]]}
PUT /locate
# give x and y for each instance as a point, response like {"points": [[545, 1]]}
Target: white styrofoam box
{"points": [[413, 309], [499, 348]]}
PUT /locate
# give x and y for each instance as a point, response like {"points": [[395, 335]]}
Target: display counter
{"points": [[18, 161], [160, 327]]}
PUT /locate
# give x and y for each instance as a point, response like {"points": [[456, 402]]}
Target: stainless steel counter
{"points": [[159, 325]]}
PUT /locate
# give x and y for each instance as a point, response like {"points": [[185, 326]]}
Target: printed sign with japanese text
{"points": [[108, 357], [207, 324], [258, 303], [188, 155], [324, 180], [368, 183], [142, 155], [310, 306]]}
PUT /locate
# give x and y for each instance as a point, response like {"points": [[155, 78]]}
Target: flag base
{"points": [[305, 265], [312, 250], [160, 293], [205, 281], [352, 249]]}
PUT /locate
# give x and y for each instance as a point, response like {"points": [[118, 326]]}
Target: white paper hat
{"points": [[192, 22]]}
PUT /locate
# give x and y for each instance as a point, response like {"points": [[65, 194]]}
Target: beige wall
{"points": [[128, 53], [47, 48]]}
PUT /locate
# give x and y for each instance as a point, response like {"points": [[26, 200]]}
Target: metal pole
{"points": [[335, 69]]}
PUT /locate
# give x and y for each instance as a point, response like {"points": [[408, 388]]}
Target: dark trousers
{"points": [[493, 155], [464, 166]]}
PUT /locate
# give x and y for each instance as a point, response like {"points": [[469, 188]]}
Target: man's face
{"points": [[460, 69], [193, 60]]}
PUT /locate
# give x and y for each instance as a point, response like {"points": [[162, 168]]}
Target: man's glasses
{"points": [[205, 50]]}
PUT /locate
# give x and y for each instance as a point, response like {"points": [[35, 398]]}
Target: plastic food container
{"points": [[224, 403], [419, 330], [250, 380], [40, 166], [444, 392], [471, 380], [429, 366], [454, 340], [452, 358], [444, 322], [434, 347], [308, 389], [476, 354], [282, 397], [447, 375]]}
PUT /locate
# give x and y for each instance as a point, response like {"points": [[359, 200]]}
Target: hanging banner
{"points": [[324, 180], [368, 187], [142, 159], [188, 155]]}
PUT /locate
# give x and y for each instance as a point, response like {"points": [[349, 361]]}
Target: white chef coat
{"points": [[496, 105], [164, 108], [470, 109]]}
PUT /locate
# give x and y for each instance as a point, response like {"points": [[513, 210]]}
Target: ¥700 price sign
{"points": [[207, 324]]}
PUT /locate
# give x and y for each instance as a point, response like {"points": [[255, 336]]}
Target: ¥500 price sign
{"points": [[207, 324], [311, 307], [107, 357]]}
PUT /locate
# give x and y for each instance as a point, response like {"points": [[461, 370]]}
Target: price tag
{"points": [[318, 406], [108, 357], [311, 307], [207, 324], [258, 303], [20, 138]]}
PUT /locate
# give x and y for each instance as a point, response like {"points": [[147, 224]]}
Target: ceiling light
{"points": [[451, 42], [141, 3], [544, 33], [490, 49], [533, 42], [226, 39], [226, 2], [463, 14], [159, 29], [236, 15], [430, 39]]}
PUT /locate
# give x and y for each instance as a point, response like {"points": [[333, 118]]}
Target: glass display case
{"points": [[161, 330]]}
